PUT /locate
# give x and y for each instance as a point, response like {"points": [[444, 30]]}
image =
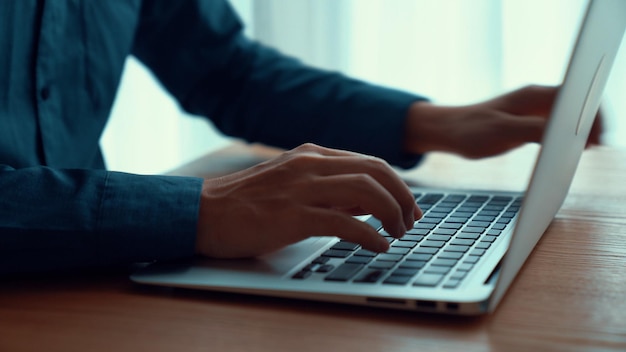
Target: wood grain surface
{"points": [[570, 295]]}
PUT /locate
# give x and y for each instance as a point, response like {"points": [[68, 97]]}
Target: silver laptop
{"points": [[465, 252]]}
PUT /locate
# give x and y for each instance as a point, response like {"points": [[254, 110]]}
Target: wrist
{"points": [[425, 127]]}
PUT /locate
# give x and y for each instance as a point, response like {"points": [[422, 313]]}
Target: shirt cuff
{"points": [[147, 218]]}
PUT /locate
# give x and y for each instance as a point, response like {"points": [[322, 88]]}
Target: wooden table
{"points": [[571, 294]]}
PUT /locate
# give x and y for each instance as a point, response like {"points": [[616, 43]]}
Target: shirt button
{"points": [[44, 93]]}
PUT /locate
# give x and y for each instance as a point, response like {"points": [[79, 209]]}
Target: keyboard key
{"points": [[444, 262], [419, 225], [326, 268], [385, 257], [359, 260], [477, 198], [405, 272], [441, 209], [345, 245], [377, 264], [477, 252], [474, 223], [462, 242], [450, 225], [430, 198], [444, 238], [437, 269], [450, 255], [431, 243], [431, 219], [419, 256], [494, 232], [458, 275], [417, 232], [365, 253], [398, 250], [471, 259], [412, 264], [458, 220], [498, 207], [457, 248], [425, 250], [337, 253], [428, 280], [344, 272], [468, 209], [397, 280], [452, 283], [321, 260], [497, 226], [440, 231], [508, 215], [415, 238], [370, 275], [302, 274], [449, 203], [487, 238], [474, 229], [484, 218], [454, 198], [425, 207], [483, 245], [404, 244], [488, 213], [465, 267], [468, 235]]}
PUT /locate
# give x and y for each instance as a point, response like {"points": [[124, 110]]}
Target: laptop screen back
{"points": [[567, 131]]}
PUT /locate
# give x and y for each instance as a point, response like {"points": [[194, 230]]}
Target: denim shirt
{"points": [[60, 66]]}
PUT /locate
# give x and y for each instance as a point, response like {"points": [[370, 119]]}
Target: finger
{"points": [[382, 173], [325, 222], [524, 129], [597, 128], [317, 149], [359, 191], [342, 162], [530, 100]]}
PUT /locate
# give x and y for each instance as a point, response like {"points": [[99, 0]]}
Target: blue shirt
{"points": [[60, 66]]}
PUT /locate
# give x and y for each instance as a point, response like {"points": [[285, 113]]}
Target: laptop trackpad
{"points": [[272, 264]]}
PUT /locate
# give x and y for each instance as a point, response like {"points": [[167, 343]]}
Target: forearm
{"points": [[250, 91], [64, 219]]}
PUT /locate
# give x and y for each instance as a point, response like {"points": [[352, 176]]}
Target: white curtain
{"points": [[455, 52]]}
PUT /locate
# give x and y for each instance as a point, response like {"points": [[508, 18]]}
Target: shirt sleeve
{"points": [[198, 52], [54, 219]]}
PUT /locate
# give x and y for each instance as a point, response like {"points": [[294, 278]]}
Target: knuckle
{"points": [[378, 164], [363, 180], [308, 147]]}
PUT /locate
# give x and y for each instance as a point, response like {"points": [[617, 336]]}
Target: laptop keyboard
{"points": [[440, 250]]}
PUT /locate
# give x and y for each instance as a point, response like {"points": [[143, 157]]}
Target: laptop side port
{"points": [[426, 304], [452, 307], [388, 301]]}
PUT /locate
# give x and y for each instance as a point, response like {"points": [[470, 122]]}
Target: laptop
{"points": [[463, 255]]}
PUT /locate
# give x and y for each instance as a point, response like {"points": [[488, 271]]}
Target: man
{"points": [[60, 65]]}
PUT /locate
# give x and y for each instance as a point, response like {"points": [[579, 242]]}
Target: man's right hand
{"points": [[308, 191]]}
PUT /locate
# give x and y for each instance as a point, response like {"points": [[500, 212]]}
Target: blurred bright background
{"points": [[454, 52]]}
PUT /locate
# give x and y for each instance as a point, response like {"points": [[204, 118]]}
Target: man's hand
{"points": [[485, 129], [308, 191]]}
